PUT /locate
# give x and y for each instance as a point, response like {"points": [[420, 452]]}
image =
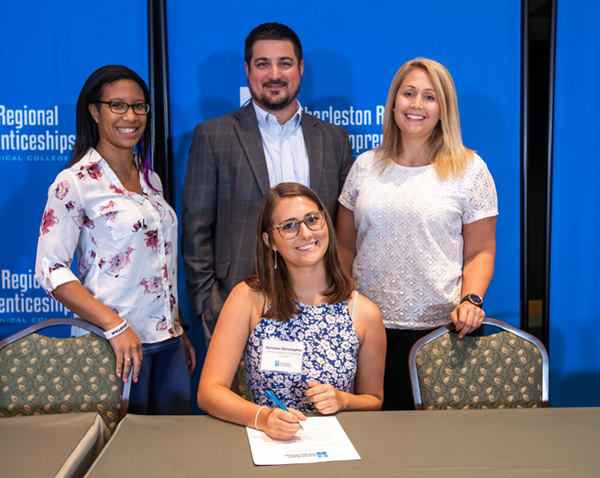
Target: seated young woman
{"points": [[303, 330]]}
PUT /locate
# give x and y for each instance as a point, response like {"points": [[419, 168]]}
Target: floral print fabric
{"points": [[126, 245], [330, 354], [496, 371], [39, 376]]}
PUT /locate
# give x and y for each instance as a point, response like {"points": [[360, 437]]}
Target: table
{"points": [[63, 445], [550, 442]]}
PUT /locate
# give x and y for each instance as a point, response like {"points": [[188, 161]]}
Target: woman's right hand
{"points": [[127, 345], [279, 424]]}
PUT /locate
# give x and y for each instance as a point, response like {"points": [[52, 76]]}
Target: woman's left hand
{"points": [[326, 398], [466, 318], [190, 352]]}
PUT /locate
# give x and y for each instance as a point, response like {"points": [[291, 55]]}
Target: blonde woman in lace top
{"points": [[417, 221]]}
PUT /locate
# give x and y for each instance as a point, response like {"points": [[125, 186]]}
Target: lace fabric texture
{"points": [[409, 243], [330, 354]]}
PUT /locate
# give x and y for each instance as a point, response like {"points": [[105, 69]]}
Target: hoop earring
{"points": [[275, 258]]}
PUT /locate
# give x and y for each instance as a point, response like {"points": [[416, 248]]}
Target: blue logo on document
{"points": [[276, 363], [321, 454]]}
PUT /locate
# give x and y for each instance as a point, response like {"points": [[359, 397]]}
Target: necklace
{"points": [[412, 163]]}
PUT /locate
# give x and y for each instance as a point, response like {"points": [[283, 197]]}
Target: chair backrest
{"points": [[508, 369], [42, 375]]}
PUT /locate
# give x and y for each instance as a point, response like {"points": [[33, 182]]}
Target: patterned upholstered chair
{"points": [[42, 375], [508, 369]]}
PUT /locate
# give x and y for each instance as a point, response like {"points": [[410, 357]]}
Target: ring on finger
{"points": [[128, 359]]}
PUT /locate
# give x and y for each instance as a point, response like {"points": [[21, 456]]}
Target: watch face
{"points": [[474, 299]]}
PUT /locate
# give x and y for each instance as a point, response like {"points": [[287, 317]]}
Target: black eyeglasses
{"points": [[290, 229], [120, 107]]}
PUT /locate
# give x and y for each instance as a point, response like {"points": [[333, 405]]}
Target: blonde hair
{"points": [[447, 153]]}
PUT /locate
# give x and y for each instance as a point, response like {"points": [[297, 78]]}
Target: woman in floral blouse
{"points": [[108, 205]]}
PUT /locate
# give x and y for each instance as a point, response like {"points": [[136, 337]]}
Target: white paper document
{"points": [[323, 439]]}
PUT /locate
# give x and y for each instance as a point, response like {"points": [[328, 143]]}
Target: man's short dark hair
{"points": [[271, 31]]}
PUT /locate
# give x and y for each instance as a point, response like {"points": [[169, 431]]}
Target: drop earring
{"points": [[275, 258]]}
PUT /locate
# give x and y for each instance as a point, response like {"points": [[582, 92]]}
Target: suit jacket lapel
{"points": [[314, 147], [249, 135]]}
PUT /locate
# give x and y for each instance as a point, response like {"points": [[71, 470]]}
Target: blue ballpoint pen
{"points": [[271, 394]]}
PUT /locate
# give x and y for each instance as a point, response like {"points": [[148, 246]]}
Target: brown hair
{"points": [[448, 154], [280, 303], [271, 31]]}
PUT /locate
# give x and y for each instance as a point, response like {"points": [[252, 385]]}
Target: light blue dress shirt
{"points": [[285, 151]]}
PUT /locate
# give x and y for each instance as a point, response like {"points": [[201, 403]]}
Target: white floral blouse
{"points": [[126, 245]]}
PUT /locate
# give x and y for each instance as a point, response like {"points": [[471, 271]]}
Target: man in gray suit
{"points": [[236, 158]]}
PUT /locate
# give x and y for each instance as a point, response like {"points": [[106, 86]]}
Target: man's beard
{"points": [[281, 102]]}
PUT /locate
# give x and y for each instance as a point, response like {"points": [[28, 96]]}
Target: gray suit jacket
{"points": [[225, 181]]}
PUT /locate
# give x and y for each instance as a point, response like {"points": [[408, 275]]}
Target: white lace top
{"points": [[410, 244]]}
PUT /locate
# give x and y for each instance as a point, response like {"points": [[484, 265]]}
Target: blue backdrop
{"points": [[45, 61], [574, 311], [351, 54]]}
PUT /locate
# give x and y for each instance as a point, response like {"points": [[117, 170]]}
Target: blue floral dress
{"points": [[330, 354]]}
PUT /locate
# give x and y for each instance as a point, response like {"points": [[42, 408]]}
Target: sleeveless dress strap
{"points": [[354, 305]]}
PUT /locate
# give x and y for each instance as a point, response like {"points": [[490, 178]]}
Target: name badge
{"points": [[281, 356]]}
